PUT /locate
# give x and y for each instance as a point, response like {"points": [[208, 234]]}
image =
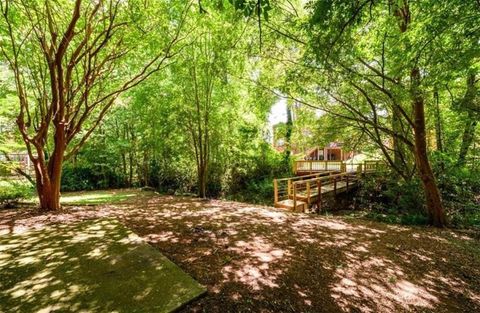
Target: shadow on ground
{"points": [[261, 259], [91, 266]]}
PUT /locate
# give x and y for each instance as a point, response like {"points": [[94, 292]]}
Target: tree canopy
{"points": [[178, 94]]}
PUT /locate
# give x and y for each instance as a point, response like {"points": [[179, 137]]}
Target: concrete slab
{"points": [[91, 266]]}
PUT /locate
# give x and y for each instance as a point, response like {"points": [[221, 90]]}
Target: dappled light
{"points": [[95, 266], [239, 156], [95, 197], [263, 258]]}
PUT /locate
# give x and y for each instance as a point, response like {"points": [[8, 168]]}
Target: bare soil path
{"points": [[260, 259]]}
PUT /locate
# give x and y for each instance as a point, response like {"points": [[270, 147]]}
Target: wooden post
{"points": [[347, 182], [335, 185], [289, 188], [319, 195], [311, 162], [294, 196], [275, 191], [308, 192]]}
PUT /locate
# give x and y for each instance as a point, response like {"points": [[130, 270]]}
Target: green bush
{"points": [[12, 192], [89, 177], [460, 187], [392, 200], [179, 177], [254, 183]]}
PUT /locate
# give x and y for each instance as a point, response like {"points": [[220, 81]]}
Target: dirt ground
{"points": [[260, 259]]}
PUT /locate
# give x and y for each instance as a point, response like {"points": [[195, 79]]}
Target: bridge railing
{"points": [[283, 187], [313, 171], [310, 166], [371, 166], [302, 167], [307, 189]]}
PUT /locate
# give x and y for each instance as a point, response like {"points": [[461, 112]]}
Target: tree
{"points": [[288, 133], [470, 103], [208, 88], [203, 72], [379, 58], [71, 62]]}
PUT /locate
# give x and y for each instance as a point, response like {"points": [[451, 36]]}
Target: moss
{"points": [[97, 266]]}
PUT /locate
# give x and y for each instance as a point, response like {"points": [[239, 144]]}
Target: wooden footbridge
{"points": [[317, 181]]}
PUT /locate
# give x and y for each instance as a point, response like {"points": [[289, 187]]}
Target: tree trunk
{"points": [[202, 181], [438, 122], [130, 169], [124, 167], [288, 134], [145, 168], [435, 209], [468, 104], [402, 163], [48, 173], [397, 145], [48, 179], [467, 139]]}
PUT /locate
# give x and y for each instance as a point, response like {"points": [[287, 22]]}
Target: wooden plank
{"points": [[294, 195], [335, 185], [319, 193], [290, 204], [275, 191], [308, 192], [301, 195]]}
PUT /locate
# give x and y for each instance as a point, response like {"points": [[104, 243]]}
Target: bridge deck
{"points": [[328, 180]]}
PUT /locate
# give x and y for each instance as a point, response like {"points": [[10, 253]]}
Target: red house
{"points": [[332, 152]]}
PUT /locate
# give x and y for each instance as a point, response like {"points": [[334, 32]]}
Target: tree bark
{"points": [[401, 164], [467, 140], [288, 134], [49, 176], [468, 104], [202, 182], [438, 122], [435, 209]]}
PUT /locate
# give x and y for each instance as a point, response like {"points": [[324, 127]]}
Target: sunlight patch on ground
{"points": [[97, 197], [257, 269], [265, 259], [380, 284], [95, 266]]}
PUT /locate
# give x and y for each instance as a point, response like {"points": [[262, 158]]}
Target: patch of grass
{"points": [[12, 191], [97, 197], [92, 266]]}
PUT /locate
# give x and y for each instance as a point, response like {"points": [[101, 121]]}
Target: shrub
{"points": [[389, 199], [254, 182], [12, 192], [178, 177], [89, 177], [460, 187]]}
